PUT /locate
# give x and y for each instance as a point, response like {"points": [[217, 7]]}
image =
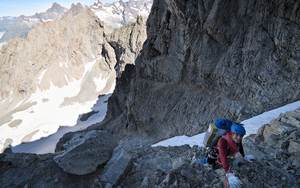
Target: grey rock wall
{"points": [[204, 60]]}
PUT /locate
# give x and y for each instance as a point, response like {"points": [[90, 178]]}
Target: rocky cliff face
{"points": [[208, 59], [24, 24]]}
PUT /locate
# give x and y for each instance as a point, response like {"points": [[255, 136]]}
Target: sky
{"points": [[30, 7]]}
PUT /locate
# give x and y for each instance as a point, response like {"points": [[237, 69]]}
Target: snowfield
{"points": [[45, 118]]}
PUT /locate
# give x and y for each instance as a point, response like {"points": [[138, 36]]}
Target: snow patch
{"points": [[1, 33], [251, 126], [41, 76], [63, 64], [100, 83]]}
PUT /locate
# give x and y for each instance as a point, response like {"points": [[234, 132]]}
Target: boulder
{"points": [[86, 151], [117, 167], [294, 147]]}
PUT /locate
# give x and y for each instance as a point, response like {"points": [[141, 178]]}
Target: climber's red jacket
{"points": [[225, 151]]}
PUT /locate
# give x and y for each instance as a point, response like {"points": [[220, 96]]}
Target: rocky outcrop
{"points": [[281, 140], [73, 11], [205, 60], [24, 24], [127, 42]]}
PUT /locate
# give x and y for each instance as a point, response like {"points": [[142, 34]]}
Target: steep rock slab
{"points": [[117, 167], [86, 151], [208, 59], [280, 138]]}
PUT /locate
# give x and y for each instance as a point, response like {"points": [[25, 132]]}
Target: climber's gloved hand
{"points": [[233, 181], [249, 158]]}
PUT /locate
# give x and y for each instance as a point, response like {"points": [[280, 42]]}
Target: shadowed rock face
{"points": [[204, 60], [85, 152]]}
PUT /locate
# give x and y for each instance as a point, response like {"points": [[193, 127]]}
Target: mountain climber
{"points": [[226, 148]]}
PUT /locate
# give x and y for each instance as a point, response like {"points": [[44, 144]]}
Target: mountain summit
{"points": [[24, 24]]}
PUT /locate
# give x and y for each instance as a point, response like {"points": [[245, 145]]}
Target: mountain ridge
{"points": [[113, 19], [24, 24]]}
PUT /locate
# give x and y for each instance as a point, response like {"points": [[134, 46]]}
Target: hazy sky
{"points": [[30, 7]]}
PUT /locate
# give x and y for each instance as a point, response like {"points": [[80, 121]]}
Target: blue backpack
{"points": [[215, 131]]}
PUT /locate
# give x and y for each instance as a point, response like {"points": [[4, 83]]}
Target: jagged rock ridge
{"points": [[73, 11]]}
